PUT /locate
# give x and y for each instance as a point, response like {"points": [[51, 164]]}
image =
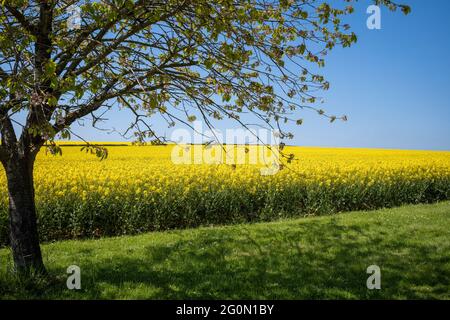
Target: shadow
{"points": [[321, 259]]}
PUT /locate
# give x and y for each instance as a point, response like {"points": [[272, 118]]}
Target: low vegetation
{"points": [[309, 258]]}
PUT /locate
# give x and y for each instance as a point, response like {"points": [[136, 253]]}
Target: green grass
{"points": [[318, 257]]}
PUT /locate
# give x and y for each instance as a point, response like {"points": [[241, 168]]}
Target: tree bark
{"points": [[22, 214]]}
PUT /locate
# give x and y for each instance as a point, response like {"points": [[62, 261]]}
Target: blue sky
{"points": [[393, 84]]}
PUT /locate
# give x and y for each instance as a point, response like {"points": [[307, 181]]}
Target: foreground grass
{"points": [[320, 257]]}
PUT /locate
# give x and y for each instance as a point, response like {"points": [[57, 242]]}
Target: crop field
{"points": [[139, 188]]}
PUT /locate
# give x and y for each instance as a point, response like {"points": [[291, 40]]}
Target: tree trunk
{"points": [[22, 214]]}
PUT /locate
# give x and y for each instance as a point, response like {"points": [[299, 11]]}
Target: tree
{"points": [[175, 58]]}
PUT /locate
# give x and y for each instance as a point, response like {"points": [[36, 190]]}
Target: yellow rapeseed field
{"points": [[139, 188]]}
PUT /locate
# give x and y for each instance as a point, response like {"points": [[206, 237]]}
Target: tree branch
{"points": [[21, 19], [8, 136]]}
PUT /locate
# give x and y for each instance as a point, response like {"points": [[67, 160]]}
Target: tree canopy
{"points": [[176, 58]]}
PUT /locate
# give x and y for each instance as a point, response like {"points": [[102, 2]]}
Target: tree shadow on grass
{"points": [[298, 261]]}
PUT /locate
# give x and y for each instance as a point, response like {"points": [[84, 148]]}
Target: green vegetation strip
{"points": [[310, 258]]}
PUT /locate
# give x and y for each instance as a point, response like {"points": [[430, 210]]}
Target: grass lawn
{"points": [[310, 258]]}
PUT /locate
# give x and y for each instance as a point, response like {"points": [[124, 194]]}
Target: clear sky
{"points": [[393, 84]]}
